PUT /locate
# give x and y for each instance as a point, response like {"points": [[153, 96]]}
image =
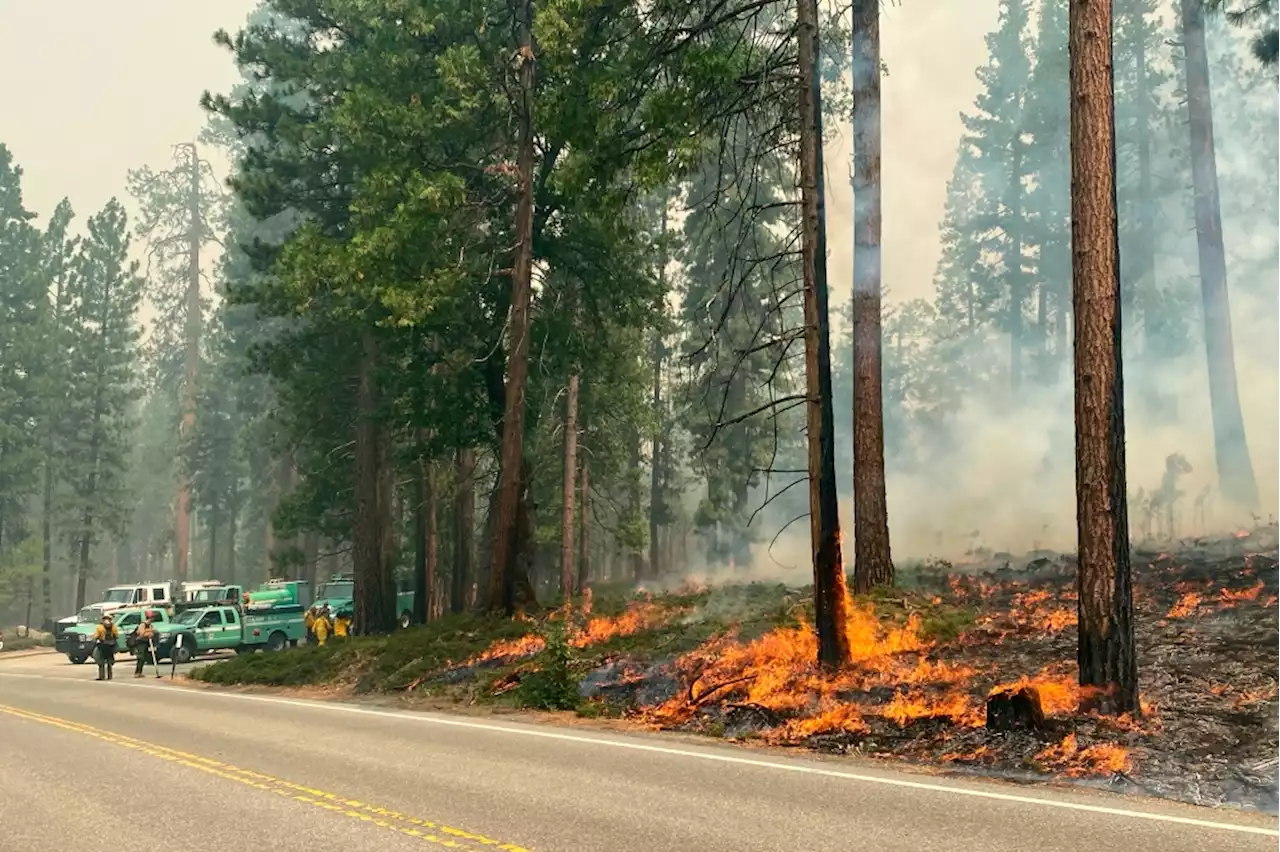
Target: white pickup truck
{"points": [[136, 594]]}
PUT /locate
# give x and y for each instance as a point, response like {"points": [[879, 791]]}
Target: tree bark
{"points": [[872, 561], [1235, 468], [584, 561], [464, 519], [501, 589], [1106, 652], [1145, 266], [374, 590], [829, 591], [570, 485]]}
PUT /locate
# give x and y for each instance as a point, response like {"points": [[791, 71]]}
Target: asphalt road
{"points": [[143, 760]]}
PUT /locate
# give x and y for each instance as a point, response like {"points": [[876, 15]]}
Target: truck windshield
{"points": [[88, 615], [191, 616], [215, 594], [338, 591], [118, 595]]}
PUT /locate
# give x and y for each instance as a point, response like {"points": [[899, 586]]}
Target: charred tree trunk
{"points": [[1235, 468], [464, 514], [829, 592], [584, 562], [374, 591], [872, 561], [512, 450], [191, 361], [1106, 653], [570, 485]]}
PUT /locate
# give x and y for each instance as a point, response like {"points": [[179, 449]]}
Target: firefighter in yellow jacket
{"points": [[342, 625], [321, 626], [309, 622], [105, 638]]}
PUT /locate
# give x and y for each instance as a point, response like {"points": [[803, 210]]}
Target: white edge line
{"points": [[803, 769]]}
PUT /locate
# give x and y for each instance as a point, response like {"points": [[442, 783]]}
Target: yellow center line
{"points": [[421, 829]]}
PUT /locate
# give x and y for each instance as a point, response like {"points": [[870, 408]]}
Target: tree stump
{"points": [[1015, 709]]}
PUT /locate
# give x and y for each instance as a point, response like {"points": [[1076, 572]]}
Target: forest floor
{"points": [[736, 663]]}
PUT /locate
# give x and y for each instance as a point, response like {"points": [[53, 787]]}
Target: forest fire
{"points": [[639, 615]]}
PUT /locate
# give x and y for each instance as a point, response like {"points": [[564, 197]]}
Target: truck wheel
{"points": [[406, 619], [181, 654], [243, 650], [277, 642], [76, 661]]}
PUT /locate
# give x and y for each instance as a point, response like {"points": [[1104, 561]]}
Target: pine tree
{"points": [[1048, 204], [105, 293], [995, 133], [23, 307]]}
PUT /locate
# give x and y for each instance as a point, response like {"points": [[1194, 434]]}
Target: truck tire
{"points": [[406, 620], [277, 641], [243, 650], [182, 653], [76, 661]]}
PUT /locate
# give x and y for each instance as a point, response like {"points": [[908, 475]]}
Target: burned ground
{"points": [[737, 663]]}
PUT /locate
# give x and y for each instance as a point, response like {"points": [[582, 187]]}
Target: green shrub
{"points": [[553, 686]]}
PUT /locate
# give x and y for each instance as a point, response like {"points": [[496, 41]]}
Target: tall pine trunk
{"points": [[464, 516], [829, 591], [374, 591], [1106, 652], [570, 485], [1235, 469], [191, 362], [502, 585], [432, 566], [584, 561], [311, 559], [872, 562]]}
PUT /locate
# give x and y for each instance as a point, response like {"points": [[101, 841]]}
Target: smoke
{"points": [[997, 473]]}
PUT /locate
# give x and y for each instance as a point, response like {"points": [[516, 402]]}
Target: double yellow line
{"points": [[421, 829]]}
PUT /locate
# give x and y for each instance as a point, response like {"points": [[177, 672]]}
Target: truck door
{"points": [[139, 595], [209, 630], [233, 628]]}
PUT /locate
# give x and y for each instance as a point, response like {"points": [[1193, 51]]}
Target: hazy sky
{"points": [[107, 87]]}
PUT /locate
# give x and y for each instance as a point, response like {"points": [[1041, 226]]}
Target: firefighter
{"points": [[142, 639], [321, 626], [309, 621], [342, 625], [104, 647]]}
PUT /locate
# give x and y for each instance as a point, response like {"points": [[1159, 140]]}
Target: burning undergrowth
{"points": [[966, 667], [1206, 621]]}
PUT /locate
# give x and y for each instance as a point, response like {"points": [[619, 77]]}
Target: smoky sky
{"points": [[106, 87]]}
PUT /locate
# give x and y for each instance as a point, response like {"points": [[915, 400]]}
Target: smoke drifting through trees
{"points": [[682, 439]]}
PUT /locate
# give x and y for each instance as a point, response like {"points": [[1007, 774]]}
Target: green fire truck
{"points": [[270, 620]]}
